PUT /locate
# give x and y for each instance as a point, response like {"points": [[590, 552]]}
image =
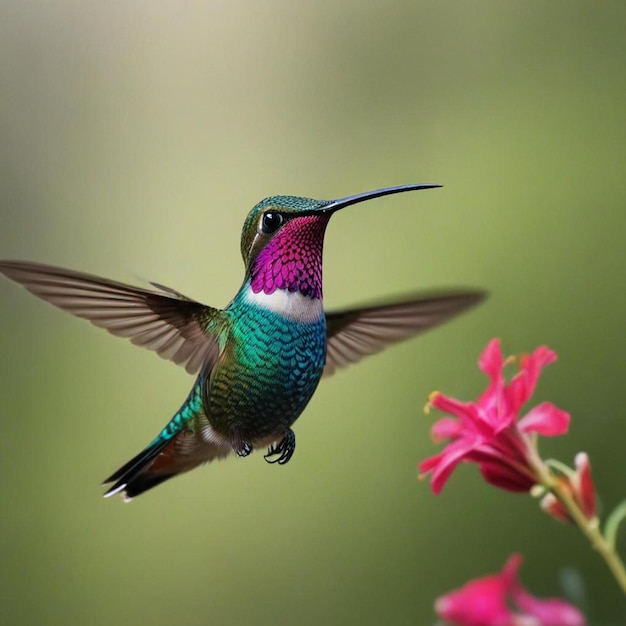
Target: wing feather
{"points": [[169, 323], [356, 333]]}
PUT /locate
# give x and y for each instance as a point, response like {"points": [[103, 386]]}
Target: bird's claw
{"points": [[285, 449], [244, 449]]}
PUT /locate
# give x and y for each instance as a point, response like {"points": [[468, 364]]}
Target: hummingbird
{"points": [[257, 361]]}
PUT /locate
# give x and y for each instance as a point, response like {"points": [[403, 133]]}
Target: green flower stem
{"points": [[590, 528]]}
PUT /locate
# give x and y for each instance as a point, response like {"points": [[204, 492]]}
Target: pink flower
{"points": [[580, 486], [500, 600], [488, 432]]}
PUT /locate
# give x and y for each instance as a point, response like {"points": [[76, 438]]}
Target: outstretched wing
{"points": [[172, 325], [357, 333]]}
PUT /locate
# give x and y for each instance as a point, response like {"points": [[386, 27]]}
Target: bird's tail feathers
{"points": [[134, 477]]}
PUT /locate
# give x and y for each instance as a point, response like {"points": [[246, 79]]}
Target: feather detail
{"points": [[356, 333], [173, 325], [161, 460]]}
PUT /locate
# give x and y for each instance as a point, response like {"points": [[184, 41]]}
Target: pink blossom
{"points": [[489, 432], [501, 600], [579, 485]]}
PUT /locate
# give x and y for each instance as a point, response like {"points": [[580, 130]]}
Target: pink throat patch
{"points": [[292, 260]]}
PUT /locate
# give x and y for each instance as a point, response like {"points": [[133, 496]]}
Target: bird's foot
{"points": [[285, 449], [244, 449]]}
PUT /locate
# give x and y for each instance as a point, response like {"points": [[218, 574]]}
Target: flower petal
{"points": [[584, 488], [552, 506], [541, 357], [549, 612], [545, 419], [481, 602], [523, 384], [473, 419], [450, 405], [506, 477], [510, 569], [491, 361], [443, 464], [446, 428]]}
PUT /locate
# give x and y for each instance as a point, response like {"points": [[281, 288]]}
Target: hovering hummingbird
{"points": [[259, 360]]}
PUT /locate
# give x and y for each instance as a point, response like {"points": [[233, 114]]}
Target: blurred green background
{"points": [[135, 137]]}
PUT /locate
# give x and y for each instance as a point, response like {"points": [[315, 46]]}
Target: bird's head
{"points": [[283, 238]]}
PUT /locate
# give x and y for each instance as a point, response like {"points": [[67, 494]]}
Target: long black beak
{"points": [[342, 203]]}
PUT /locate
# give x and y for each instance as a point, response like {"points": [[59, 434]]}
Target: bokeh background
{"points": [[135, 137]]}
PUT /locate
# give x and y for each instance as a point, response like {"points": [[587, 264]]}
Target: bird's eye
{"points": [[271, 222]]}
